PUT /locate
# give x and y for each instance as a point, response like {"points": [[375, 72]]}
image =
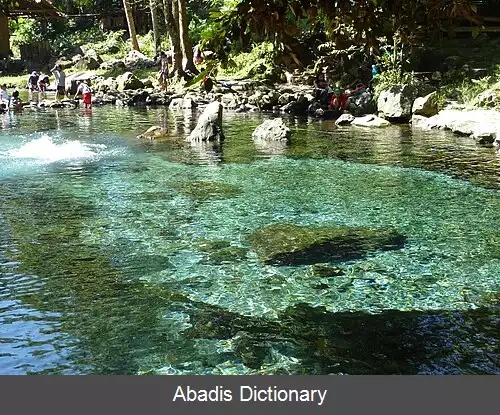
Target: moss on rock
{"points": [[288, 244]]}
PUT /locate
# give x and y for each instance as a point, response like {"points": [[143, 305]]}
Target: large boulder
{"points": [[288, 244], [274, 129], [299, 106], [136, 60], [113, 65], [180, 103], [370, 121], [90, 61], [396, 103], [106, 84], [426, 106], [489, 98], [209, 125], [128, 81], [87, 63]]}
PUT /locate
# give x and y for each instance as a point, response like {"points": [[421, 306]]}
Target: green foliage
{"points": [[25, 31], [254, 63], [392, 74]]}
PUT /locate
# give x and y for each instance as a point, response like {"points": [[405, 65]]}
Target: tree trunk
{"points": [[154, 21], [131, 25], [186, 47], [169, 11]]}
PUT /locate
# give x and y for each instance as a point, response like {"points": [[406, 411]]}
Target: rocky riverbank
{"points": [[480, 125]]}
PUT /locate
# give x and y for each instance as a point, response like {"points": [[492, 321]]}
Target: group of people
{"points": [[7, 103], [38, 83], [338, 99]]}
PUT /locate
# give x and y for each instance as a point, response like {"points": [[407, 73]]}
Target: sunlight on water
{"points": [[45, 150]]}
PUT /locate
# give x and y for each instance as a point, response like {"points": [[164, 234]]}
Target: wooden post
{"points": [[4, 36]]}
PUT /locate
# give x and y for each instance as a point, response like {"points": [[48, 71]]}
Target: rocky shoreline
{"points": [[399, 104]]}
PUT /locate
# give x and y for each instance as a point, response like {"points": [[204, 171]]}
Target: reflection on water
{"points": [[120, 255]]}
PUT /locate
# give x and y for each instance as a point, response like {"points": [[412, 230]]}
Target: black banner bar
{"points": [[364, 395]]}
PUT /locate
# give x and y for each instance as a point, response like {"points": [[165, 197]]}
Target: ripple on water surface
{"points": [[121, 255]]}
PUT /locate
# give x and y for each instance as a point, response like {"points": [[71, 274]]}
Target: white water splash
{"points": [[44, 149]]}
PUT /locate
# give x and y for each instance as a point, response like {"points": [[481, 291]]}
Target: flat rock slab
{"points": [[370, 120], [482, 125], [288, 244]]}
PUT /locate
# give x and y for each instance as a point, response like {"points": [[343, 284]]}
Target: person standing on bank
{"points": [[32, 84], [43, 83], [60, 77], [163, 74]]}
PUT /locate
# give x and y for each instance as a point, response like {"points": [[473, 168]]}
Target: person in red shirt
{"points": [[339, 101]]}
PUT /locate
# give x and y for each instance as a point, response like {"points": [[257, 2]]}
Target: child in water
{"points": [[4, 95], [86, 92], [15, 103]]}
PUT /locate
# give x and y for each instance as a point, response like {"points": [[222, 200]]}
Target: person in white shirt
{"points": [[4, 95], [60, 77]]}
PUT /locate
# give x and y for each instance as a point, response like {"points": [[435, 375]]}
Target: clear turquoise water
{"points": [[108, 263]]}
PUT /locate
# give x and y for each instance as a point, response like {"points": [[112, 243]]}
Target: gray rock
{"points": [[285, 98], [176, 103], [108, 84], [370, 121], [135, 59], [272, 130], [88, 63], [481, 125], [182, 103], [128, 81], [148, 83], [484, 137], [345, 119], [419, 121], [426, 106], [315, 106], [299, 106], [113, 65], [154, 132], [209, 125], [396, 103], [489, 98]]}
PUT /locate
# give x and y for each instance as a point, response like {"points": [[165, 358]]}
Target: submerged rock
{"points": [[288, 244], [326, 271], [219, 252], [154, 132]]}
